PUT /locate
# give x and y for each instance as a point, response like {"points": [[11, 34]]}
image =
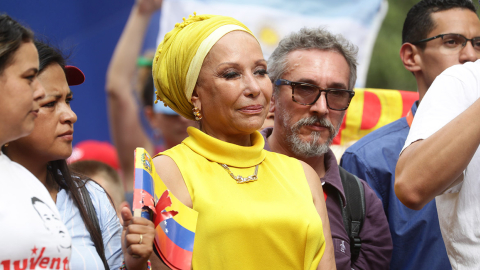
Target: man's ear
{"points": [[411, 59], [272, 104]]}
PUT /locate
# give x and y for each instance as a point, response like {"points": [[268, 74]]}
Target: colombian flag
{"points": [[174, 222]]}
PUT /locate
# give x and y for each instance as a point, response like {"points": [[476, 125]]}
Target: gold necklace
{"points": [[240, 179]]}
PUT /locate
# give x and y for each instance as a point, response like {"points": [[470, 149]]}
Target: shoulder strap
{"points": [[354, 212], [92, 214]]}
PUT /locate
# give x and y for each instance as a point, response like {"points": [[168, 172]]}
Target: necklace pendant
{"points": [[241, 180]]}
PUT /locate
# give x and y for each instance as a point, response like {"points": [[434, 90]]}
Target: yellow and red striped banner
{"points": [[371, 109]]}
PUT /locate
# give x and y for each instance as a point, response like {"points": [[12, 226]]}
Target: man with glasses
{"points": [[451, 136], [437, 34], [314, 73]]}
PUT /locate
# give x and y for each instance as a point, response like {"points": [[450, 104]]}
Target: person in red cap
{"points": [[99, 161], [95, 150], [98, 239]]}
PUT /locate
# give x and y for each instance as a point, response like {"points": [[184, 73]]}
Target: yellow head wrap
{"points": [[180, 56]]}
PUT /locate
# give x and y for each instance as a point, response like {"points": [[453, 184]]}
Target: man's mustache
{"points": [[311, 120]]}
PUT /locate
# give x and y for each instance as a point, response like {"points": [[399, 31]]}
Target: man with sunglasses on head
{"points": [[437, 34], [314, 72]]}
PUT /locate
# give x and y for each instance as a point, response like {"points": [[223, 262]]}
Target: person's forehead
{"points": [[26, 57], [57, 91], [456, 20], [317, 64], [231, 44], [53, 72], [54, 80], [235, 36], [309, 56]]}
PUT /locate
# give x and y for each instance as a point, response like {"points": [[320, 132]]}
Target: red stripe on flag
{"points": [[142, 198], [174, 256]]}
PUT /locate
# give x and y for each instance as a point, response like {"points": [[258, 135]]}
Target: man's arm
{"points": [[428, 167], [125, 125], [376, 250]]}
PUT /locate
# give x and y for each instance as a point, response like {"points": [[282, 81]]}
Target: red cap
{"points": [[95, 150], [74, 75]]}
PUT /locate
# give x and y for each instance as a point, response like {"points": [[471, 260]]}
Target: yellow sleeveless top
{"points": [[271, 223]]}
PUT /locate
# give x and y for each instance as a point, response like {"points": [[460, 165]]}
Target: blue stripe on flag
{"points": [[146, 180], [178, 234]]}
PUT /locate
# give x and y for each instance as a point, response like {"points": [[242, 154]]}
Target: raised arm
{"points": [[328, 259], [125, 125], [428, 167]]}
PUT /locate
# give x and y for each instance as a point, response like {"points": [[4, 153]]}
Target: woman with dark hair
{"points": [[30, 224], [88, 214], [18, 80]]}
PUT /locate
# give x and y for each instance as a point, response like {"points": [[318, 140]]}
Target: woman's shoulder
{"points": [[100, 199], [169, 172], [96, 192], [95, 188]]}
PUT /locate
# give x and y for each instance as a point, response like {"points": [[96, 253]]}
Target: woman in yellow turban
{"points": [[257, 209]]}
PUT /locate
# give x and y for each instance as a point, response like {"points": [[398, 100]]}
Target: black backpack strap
{"points": [[354, 212], [92, 214]]}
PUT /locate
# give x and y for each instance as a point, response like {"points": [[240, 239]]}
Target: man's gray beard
{"points": [[312, 148]]}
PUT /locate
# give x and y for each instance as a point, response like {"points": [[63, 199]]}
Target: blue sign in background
{"points": [[89, 29]]}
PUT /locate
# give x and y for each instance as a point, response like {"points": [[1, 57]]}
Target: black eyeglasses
{"points": [[308, 94], [454, 42]]}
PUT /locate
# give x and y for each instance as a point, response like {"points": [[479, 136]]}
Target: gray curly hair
{"points": [[312, 38]]}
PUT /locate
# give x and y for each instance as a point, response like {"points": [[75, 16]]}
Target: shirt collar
{"points": [[221, 152], [332, 175], [414, 107]]}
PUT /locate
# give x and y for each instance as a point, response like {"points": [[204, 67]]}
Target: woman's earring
{"points": [[197, 114], [5, 145]]}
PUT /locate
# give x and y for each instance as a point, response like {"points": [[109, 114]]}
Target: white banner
{"points": [[357, 20]]}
